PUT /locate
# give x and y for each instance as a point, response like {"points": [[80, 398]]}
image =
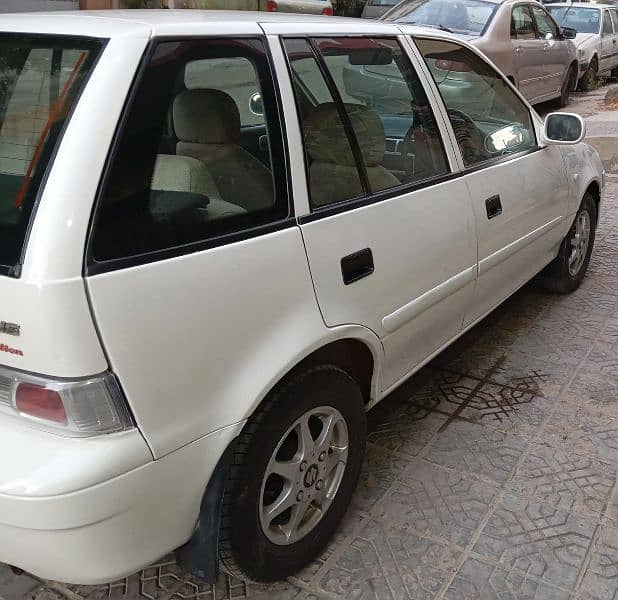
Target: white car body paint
{"points": [[197, 341]]}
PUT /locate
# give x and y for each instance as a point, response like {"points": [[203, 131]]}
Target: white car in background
{"points": [[596, 40]]}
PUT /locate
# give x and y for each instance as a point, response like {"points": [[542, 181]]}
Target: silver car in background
{"points": [[520, 37], [315, 7]]}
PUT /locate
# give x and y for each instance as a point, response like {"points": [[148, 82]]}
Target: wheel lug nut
{"points": [[322, 456], [319, 485], [300, 496], [303, 465]]}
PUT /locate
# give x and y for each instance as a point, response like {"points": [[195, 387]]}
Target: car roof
{"points": [[581, 5], [114, 23]]}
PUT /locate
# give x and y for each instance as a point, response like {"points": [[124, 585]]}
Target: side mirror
{"points": [[568, 33], [256, 104], [563, 129]]}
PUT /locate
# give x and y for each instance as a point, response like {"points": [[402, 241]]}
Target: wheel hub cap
{"points": [[303, 475], [579, 243]]}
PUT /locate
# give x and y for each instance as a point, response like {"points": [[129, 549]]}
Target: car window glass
{"points": [[327, 146], [488, 118], [522, 26], [614, 13], [40, 80], [607, 23], [234, 76], [194, 162], [387, 109], [545, 25], [583, 20]]}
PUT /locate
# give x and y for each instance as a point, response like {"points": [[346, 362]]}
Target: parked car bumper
{"points": [[107, 529]]}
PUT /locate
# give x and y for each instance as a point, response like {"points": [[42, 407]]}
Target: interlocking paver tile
{"points": [[537, 538], [438, 503], [477, 580], [584, 430], [388, 563], [468, 447], [601, 579], [565, 480]]}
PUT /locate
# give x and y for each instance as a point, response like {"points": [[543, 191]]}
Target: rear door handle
{"points": [[519, 49], [493, 206], [357, 266]]}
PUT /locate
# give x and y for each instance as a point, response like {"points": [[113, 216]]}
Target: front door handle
{"points": [[493, 206], [357, 265], [519, 49]]}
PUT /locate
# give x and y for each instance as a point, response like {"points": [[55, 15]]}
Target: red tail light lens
{"points": [[40, 402], [327, 11], [452, 65], [271, 6]]}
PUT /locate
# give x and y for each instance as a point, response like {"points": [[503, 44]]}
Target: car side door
{"points": [[556, 50], [389, 229], [518, 189], [614, 58], [528, 54]]}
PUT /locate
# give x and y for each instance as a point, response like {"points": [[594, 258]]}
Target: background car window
{"points": [[194, 162], [607, 24], [460, 16], [522, 26], [583, 20], [488, 118], [614, 13], [545, 25]]}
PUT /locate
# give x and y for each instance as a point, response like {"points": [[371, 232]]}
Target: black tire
{"points": [[557, 277], [614, 73], [567, 86], [244, 549], [589, 80]]}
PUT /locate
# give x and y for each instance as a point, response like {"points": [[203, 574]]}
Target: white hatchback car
{"points": [[596, 39], [216, 255]]}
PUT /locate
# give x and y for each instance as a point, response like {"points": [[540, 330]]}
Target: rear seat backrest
{"points": [[207, 124]]}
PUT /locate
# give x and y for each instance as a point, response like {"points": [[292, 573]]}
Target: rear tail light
{"points": [[328, 11], [271, 6], [80, 407], [452, 65]]}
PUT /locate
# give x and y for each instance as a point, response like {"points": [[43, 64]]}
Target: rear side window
{"points": [[607, 24], [367, 123], [614, 13], [522, 26], [40, 79], [489, 120], [200, 156]]}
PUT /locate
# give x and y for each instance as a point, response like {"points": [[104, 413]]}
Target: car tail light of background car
{"points": [[271, 6], [328, 11]]}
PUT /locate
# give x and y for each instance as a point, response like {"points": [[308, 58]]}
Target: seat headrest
{"points": [[327, 141], [206, 117]]}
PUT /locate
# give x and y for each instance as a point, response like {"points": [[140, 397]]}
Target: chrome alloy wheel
{"points": [[579, 243], [303, 475]]}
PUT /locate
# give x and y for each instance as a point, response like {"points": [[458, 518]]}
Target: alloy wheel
{"points": [[579, 242]]}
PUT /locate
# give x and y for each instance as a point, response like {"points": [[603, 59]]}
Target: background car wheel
{"points": [[292, 476], [567, 86], [567, 270], [589, 79]]}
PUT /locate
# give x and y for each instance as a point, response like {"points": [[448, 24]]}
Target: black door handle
{"points": [[357, 265], [493, 206]]}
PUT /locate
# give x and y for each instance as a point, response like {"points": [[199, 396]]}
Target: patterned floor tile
{"points": [[388, 563], [472, 448], [583, 430], [477, 580], [537, 538], [601, 579], [568, 481], [438, 503]]}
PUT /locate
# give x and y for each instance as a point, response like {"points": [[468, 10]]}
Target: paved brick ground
{"points": [[491, 474]]}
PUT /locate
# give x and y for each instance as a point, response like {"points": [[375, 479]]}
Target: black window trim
{"points": [[370, 197], [490, 162], [93, 267], [15, 270]]}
